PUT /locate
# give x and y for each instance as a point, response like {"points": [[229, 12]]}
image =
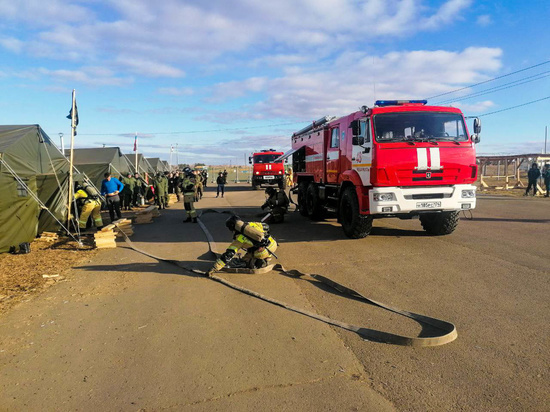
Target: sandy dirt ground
{"points": [[126, 332]]}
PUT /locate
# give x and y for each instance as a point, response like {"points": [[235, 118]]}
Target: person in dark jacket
{"points": [[277, 202], [546, 177], [128, 191], [220, 180], [532, 175], [110, 188]]}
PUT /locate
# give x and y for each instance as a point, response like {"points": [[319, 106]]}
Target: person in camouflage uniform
{"points": [[188, 189], [198, 186], [127, 192], [160, 183], [167, 186]]}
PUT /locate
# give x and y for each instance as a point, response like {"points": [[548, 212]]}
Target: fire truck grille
{"points": [[427, 196]]}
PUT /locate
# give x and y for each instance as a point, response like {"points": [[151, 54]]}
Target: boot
{"points": [[187, 220], [194, 220]]}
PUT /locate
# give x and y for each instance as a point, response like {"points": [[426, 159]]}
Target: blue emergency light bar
{"points": [[382, 103]]}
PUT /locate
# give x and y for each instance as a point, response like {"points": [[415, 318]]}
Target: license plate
{"points": [[269, 177], [428, 205]]}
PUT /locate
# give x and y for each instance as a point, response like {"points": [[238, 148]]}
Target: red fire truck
{"points": [[400, 158], [266, 170]]}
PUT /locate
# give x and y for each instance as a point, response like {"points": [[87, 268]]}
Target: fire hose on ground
{"points": [[447, 331]]}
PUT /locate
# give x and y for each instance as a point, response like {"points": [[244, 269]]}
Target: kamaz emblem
{"points": [[428, 175]]}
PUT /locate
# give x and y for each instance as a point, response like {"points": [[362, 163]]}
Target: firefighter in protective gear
{"points": [[277, 202], [188, 189], [88, 203], [253, 238]]}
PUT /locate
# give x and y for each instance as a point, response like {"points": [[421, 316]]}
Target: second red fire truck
{"points": [[266, 169], [400, 158]]}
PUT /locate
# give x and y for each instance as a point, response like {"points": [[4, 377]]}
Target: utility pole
{"points": [[177, 157]]}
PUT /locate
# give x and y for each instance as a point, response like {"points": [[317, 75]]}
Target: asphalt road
{"points": [[129, 333]]}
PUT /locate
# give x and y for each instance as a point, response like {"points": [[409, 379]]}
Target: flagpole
{"points": [[136, 149], [71, 158]]}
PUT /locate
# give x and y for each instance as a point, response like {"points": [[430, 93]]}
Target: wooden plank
{"points": [[101, 242], [108, 227]]}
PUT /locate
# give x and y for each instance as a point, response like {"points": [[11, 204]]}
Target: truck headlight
{"points": [[468, 193], [383, 197]]}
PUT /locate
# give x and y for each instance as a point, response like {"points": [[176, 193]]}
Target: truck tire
{"points": [[313, 205], [355, 225], [439, 224], [282, 184], [302, 189], [254, 185]]}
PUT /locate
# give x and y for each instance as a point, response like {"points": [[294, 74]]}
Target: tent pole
{"points": [[71, 158]]}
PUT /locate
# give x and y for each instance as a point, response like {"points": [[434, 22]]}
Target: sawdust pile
{"points": [[23, 275]]}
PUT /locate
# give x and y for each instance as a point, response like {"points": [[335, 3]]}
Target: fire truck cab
{"points": [[400, 158]]}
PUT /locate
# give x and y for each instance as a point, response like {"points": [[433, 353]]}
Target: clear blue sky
{"points": [[223, 78]]}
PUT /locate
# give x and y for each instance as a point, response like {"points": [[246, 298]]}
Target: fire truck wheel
{"points": [[355, 225], [439, 224], [282, 184], [313, 205], [254, 185], [302, 188]]}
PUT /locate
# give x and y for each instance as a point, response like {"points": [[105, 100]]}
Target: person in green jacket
{"points": [[160, 190], [166, 183], [127, 192]]}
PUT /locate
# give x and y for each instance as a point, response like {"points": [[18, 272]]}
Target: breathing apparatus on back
{"points": [[252, 232]]}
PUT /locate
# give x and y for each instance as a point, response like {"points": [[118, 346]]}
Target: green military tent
{"points": [[34, 182], [95, 162], [157, 164], [144, 167]]}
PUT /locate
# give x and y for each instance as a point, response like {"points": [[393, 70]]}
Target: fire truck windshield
{"points": [[419, 127], [266, 158]]}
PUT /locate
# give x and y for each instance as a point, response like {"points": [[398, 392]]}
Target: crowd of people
{"points": [[534, 174]]}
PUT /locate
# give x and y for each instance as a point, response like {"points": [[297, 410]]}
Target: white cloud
{"points": [[176, 91], [447, 13], [474, 108], [96, 76], [160, 39], [11, 44], [149, 68], [41, 13], [484, 20], [234, 89], [353, 78]]}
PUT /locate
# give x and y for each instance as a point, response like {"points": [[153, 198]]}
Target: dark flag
{"points": [[70, 116]]}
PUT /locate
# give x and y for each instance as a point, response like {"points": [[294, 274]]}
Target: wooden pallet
{"points": [[146, 215], [121, 225], [105, 238]]}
